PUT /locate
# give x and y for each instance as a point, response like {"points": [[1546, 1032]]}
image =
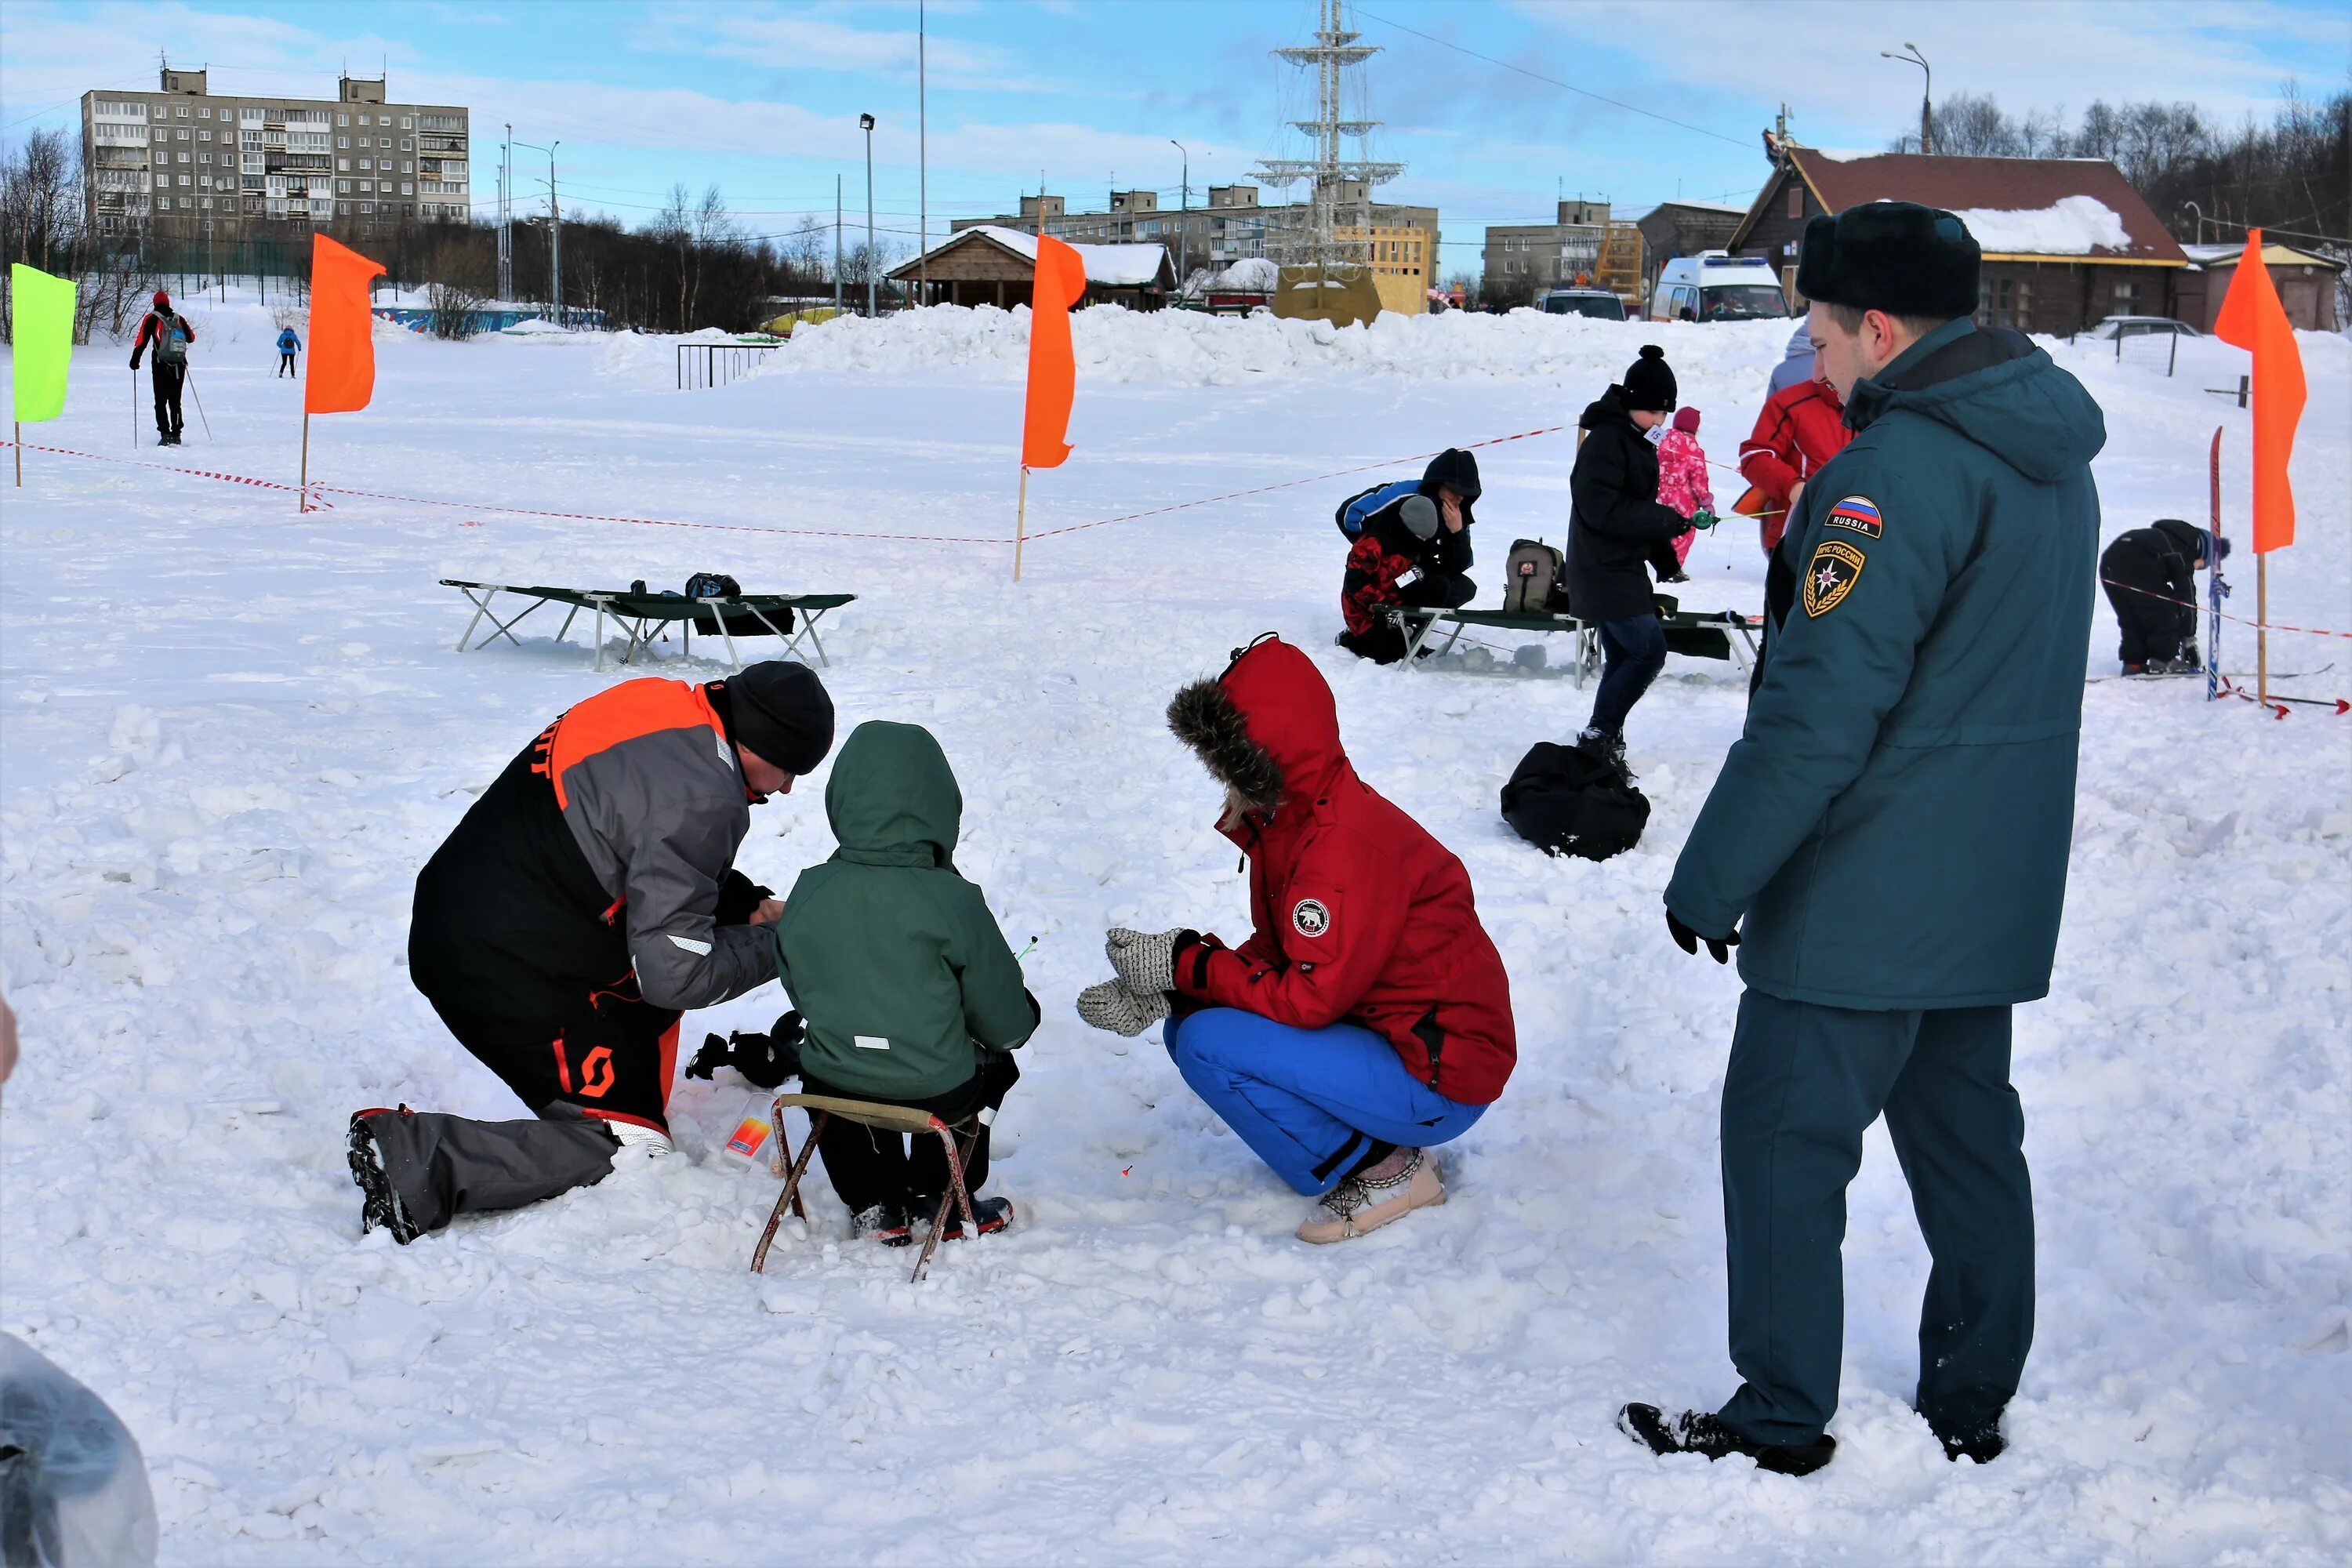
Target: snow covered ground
{"points": [[232, 734]]}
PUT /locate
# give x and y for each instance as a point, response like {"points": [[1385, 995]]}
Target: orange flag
{"points": [[2253, 318], [1053, 367], [342, 376]]}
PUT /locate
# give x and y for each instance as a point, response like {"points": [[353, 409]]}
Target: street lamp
{"points": [[1925, 92], [866, 123], [555, 230], [1184, 223]]}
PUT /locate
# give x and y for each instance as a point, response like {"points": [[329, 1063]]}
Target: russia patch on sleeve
{"points": [[1836, 567], [1859, 513]]}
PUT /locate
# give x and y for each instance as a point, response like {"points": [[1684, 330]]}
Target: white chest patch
{"points": [[1309, 918], [869, 1042], [688, 942]]}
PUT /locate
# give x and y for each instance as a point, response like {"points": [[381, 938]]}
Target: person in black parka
{"points": [[2150, 578], [1615, 525]]}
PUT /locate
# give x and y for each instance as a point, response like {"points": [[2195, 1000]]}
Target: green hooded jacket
{"points": [[892, 957], [1894, 821]]}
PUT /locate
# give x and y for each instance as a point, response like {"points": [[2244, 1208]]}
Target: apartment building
{"points": [[1582, 246], [1400, 243], [186, 161]]}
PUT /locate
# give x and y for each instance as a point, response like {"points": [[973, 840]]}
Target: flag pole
{"points": [[305, 502], [2263, 627], [19, 443], [1021, 523]]}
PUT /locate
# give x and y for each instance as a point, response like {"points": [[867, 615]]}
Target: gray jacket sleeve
{"points": [[660, 818]]}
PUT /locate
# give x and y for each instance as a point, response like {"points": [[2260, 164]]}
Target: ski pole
{"points": [[135, 407], [199, 396]]}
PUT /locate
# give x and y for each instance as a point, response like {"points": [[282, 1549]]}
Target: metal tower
{"points": [[1335, 49]]}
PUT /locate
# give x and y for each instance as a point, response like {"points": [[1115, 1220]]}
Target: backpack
{"points": [[1531, 580], [171, 347], [1358, 509], [1568, 802], [713, 585]]}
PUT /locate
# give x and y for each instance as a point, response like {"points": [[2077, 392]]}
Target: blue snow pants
{"points": [[1803, 1083], [1309, 1101]]}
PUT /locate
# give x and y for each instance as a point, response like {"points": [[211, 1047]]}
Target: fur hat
{"points": [[1650, 381], [1896, 256], [1204, 718]]}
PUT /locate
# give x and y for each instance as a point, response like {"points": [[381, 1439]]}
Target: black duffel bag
{"points": [[1568, 802]]}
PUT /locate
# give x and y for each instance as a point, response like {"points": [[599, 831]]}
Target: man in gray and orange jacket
{"points": [[585, 901]]}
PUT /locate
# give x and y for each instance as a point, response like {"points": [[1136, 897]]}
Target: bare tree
{"points": [[44, 223]]}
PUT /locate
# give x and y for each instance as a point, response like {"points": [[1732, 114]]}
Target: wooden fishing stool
{"points": [[895, 1119]]}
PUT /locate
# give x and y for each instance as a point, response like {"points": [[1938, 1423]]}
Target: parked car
{"points": [[1598, 304], [2115, 328], [1717, 285]]}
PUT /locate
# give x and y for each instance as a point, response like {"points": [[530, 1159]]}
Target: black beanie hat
{"points": [[1896, 256], [783, 714], [1650, 381]]}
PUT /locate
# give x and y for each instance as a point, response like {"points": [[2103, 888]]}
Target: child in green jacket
{"points": [[911, 993]]}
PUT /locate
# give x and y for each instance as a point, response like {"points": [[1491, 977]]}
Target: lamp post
{"points": [[1925, 92], [1184, 223], [554, 232], [866, 123]]}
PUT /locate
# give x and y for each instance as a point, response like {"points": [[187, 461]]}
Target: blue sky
{"points": [[763, 100]]}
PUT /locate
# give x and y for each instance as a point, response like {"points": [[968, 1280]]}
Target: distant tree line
{"points": [[2291, 177], [44, 224]]}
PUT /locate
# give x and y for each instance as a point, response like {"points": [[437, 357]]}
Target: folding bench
{"points": [[1700, 634], [643, 617], [892, 1119]]}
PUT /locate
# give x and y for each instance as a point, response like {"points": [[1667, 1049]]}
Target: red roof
{"points": [[2009, 184]]}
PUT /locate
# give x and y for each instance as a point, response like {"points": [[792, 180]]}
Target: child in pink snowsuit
{"points": [[1682, 476]]}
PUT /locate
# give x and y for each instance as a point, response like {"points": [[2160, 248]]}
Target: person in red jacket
{"points": [[1367, 1018], [169, 333], [1801, 427]]}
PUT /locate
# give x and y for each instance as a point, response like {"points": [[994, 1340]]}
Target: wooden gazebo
{"points": [[991, 265]]}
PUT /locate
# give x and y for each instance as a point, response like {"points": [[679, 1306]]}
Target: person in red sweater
{"points": [[1801, 427], [1368, 1016]]}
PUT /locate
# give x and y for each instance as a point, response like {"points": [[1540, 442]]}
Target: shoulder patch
{"points": [[1309, 918], [1859, 513], [1836, 568]]}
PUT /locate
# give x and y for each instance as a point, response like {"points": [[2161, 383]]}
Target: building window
{"points": [[1796, 199], [407, 188], [204, 114], [344, 187], [406, 167], [407, 122], [342, 120], [183, 114], [403, 140], [367, 206], [184, 135], [343, 165]]}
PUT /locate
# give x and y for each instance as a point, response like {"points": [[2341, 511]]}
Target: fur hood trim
{"points": [[1202, 716]]}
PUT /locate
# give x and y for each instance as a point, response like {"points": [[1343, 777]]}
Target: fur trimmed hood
{"points": [[1267, 728]]}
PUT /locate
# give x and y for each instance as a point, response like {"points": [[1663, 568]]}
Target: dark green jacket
{"points": [[891, 957], [1892, 823]]}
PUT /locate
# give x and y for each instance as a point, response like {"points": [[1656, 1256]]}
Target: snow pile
{"points": [[1250, 275], [1193, 348], [2073, 226], [1112, 266]]}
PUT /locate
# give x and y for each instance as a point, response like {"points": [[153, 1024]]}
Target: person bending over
{"points": [[1368, 1016], [2151, 578], [1421, 527], [910, 994], [585, 900]]}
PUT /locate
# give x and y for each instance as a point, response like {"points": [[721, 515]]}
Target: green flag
{"points": [[43, 310]]}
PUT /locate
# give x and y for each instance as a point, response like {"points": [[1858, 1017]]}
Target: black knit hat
{"points": [[783, 714], [1650, 381], [1896, 256]]}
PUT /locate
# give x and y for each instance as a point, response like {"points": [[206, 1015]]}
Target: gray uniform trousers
{"points": [[1804, 1083]]}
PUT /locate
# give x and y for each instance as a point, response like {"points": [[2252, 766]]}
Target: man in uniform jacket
{"points": [[585, 901], [2151, 578], [1886, 842]]}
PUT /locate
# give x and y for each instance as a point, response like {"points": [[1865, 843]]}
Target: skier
{"points": [[911, 993], [2150, 578], [1421, 527], [588, 898], [1801, 427], [1368, 1016], [170, 333], [1892, 828], [1614, 522], [1682, 486], [289, 345]]}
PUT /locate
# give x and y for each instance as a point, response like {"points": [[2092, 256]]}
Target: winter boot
{"points": [[1696, 1432], [1983, 1444], [380, 1205], [990, 1215], [2131, 668], [885, 1223], [1607, 748], [1379, 1194]]}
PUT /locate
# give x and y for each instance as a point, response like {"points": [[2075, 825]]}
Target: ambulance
{"points": [[1717, 285]]}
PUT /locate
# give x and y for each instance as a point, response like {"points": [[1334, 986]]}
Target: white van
{"points": [[1717, 285]]}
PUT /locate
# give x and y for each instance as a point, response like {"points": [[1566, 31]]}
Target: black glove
{"points": [[1688, 940], [739, 898], [764, 1060]]}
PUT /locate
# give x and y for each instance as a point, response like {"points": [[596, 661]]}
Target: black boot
{"points": [[990, 1215], [416, 1172], [1607, 747], [1983, 1444], [1696, 1432]]}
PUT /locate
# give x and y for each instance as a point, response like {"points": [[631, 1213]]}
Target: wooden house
{"points": [[2305, 281], [991, 265]]}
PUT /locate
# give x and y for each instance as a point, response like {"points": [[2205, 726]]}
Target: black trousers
{"points": [[285, 364], [612, 1059], [2153, 629], [168, 380], [868, 1167], [1384, 643]]}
